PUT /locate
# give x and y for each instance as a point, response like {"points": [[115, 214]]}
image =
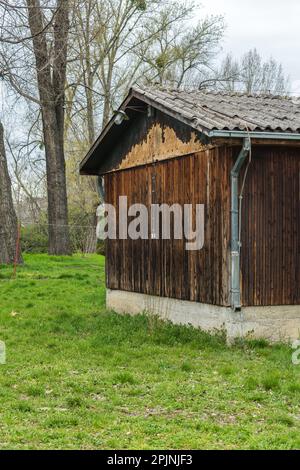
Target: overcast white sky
{"points": [[272, 26]]}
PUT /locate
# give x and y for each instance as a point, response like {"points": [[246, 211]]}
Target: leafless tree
{"points": [[34, 39], [8, 218], [250, 74], [114, 44], [175, 54], [28, 178], [120, 42]]}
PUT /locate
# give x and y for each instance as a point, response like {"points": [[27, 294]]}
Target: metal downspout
{"points": [[235, 242]]}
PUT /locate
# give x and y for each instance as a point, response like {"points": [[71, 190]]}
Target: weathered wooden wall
{"points": [[164, 267], [270, 256], [270, 253]]}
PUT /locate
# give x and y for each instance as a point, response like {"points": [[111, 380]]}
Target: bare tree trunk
{"points": [[107, 90], [59, 241], [8, 218], [51, 77]]}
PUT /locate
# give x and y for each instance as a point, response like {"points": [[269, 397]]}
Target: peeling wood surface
{"points": [[149, 139], [160, 143]]}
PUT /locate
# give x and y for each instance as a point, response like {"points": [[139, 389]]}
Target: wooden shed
{"points": [[239, 156]]}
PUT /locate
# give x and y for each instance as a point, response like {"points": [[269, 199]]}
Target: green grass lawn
{"points": [[78, 376]]}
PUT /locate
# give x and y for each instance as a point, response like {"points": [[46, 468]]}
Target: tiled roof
{"points": [[207, 111]]}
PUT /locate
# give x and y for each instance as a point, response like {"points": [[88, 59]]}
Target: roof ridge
{"points": [[163, 88]]}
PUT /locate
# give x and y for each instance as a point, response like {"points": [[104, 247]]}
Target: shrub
{"points": [[34, 239], [82, 229]]}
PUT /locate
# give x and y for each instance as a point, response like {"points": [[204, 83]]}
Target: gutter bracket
{"points": [[235, 289]]}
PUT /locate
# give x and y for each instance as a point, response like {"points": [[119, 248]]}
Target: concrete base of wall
{"points": [[277, 323]]}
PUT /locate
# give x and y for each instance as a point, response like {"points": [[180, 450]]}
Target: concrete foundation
{"points": [[276, 323]]}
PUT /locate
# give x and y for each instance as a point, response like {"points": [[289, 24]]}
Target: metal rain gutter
{"points": [[255, 135], [235, 242]]}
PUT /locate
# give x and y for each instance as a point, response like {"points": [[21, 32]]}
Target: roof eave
{"points": [[105, 130]]}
